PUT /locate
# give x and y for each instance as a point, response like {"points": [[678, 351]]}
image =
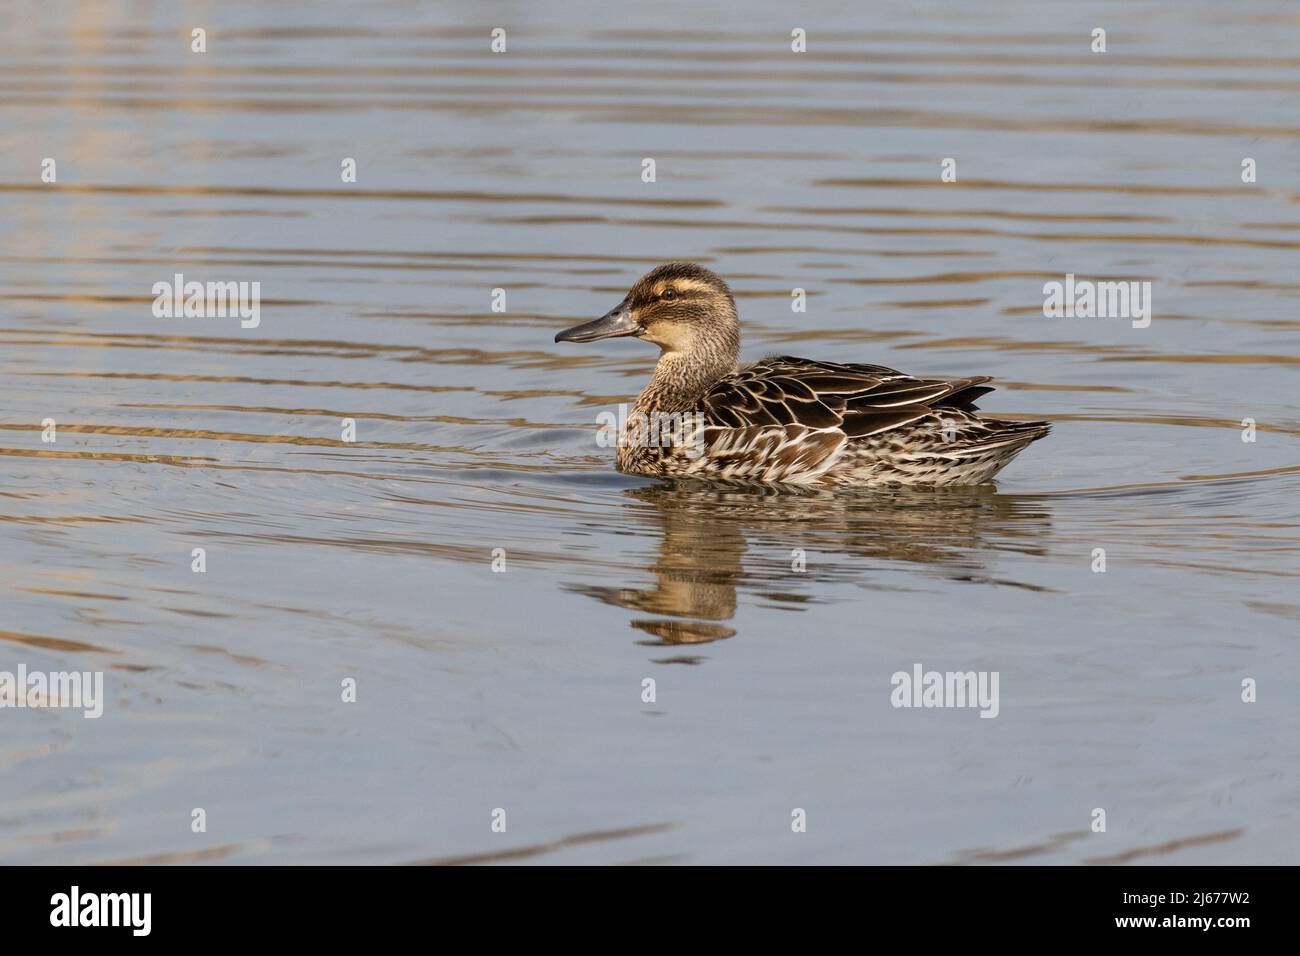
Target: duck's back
{"points": [[793, 420]]}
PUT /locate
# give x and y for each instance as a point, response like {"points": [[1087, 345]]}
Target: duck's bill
{"points": [[616, 322]]}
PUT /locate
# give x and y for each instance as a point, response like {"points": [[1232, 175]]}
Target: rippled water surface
{"points": [[373, 559]]}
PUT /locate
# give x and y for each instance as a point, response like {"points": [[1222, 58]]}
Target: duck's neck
{"points": [[681, 378]]}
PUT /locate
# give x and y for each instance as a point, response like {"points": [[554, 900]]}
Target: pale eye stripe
{"points": [[690, 285], [685, 288]]}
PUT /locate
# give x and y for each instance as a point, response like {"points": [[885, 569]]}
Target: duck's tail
{"points": [[977, 457], [957, 448]]}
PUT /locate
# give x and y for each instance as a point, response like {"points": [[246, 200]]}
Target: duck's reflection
{"points": [[796, 539]]}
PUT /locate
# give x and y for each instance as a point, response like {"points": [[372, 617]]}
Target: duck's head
{"points": [[679, 306]]}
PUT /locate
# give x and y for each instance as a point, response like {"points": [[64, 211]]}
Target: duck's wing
{"points": [[856, 400]]}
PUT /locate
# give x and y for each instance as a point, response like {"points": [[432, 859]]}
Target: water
{"points": [[372, 560]]}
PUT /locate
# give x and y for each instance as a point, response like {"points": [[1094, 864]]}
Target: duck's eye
{"points": [[668, 294]]}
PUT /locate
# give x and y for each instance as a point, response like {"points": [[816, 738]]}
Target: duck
{"points": [[784, 420]]}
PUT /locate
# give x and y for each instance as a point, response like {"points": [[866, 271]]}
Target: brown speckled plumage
{"points": [[787, 420]]}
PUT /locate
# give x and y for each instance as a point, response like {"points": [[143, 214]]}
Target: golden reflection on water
{"points": [[703, 534]]}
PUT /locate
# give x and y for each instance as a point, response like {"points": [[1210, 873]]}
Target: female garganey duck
{"points": [[787, 420]]}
